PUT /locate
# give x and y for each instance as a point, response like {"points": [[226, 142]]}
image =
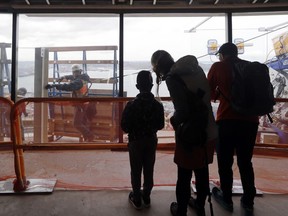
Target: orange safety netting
{"points": [[103, 169], [49, 127]]}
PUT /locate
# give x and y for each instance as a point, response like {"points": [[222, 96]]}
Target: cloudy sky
{"points": [[142, 35]]}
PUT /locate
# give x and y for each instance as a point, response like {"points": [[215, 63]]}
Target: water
{"points": [[26, 78], [129, 83]]}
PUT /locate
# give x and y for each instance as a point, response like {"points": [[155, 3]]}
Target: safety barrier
{"points": [[49, 126], [54, 117]]}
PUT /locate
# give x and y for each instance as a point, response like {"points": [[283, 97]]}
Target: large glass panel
{"points": [[89, 40], [5, 54], [180, 35], [49, 45], [265, 38]]}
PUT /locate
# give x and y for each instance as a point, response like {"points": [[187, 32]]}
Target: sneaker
{"points": [[146, 200], [174, 208], [136, 203], [218, 196], [194, 205], [246, 206]]}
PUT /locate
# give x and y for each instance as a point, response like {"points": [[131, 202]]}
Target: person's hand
{"points": [[60, 79], [49, 86]]}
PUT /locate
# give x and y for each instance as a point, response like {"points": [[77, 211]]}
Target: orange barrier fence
{"points": [[49, 125]]}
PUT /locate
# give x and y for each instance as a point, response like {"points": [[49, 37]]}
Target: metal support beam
{"points": [[229, 27], [14, 57], [199, 24]]}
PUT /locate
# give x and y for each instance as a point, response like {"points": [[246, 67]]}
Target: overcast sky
{"points": [[142, 36]]}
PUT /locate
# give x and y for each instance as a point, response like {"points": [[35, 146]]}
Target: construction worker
{"points": [[78, 85]]}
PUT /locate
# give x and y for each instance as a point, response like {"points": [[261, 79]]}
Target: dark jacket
{"points": [[78, 85], [143, 116], [191, 73]]}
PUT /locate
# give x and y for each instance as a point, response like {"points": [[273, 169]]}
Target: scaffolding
{"points": [[50, 63], [106, 77], [5, 77]]}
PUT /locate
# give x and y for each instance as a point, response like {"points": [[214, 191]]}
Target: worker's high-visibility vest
{"points": [[83, 92]]}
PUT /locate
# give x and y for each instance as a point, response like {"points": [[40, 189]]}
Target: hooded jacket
{"points": [[188, 69]]}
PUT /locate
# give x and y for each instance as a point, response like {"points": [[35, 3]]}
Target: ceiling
{"points": [[143, 5]]}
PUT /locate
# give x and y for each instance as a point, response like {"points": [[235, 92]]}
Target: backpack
{"points": [[252, 91], [192, 132]]}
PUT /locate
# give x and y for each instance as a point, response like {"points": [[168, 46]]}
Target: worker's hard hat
{"points": [[76, 67], [22, 91]]}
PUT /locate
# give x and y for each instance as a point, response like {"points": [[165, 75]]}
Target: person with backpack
{"points": [[141, 119], [237, 131], [78, 85], [179, 76]]}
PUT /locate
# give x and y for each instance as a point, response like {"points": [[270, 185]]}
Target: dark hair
{"points": [[144, 80], [162, 61], [228, 49]]}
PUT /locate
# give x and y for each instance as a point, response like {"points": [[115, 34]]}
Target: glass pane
{"points": [[5, 54], [178, 34], [265, 39], [88, 40]]}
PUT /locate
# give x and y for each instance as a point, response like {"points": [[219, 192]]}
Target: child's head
{"points": [[144, 81]]}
